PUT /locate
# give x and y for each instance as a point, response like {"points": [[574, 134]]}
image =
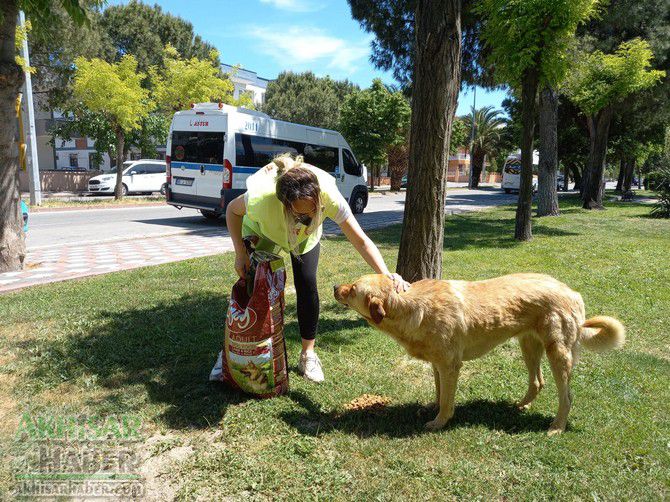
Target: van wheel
{"points": [[124, 190], [163, 188], [358, 201], [210, 215], [507, 190]]}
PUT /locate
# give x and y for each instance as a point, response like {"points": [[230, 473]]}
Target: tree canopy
{"points": [[144, 30], [307, 99], [193, 80], [597, 80], [373, 120], [532, 35], [114, 90]]}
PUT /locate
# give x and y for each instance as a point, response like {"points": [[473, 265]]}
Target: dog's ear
{"points": [[376, 308]]}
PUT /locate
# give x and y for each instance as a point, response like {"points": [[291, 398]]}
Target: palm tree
{"points": [[489, 124]]}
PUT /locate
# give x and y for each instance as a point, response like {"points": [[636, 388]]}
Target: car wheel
{"points": [[507, 190], [358, 201], [124, 190], [210, 215], [163, 188]]}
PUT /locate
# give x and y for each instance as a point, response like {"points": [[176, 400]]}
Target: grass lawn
{"points": [[86, 203], [144, 341]]}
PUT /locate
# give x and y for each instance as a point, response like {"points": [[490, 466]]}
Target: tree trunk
{"points": [[594, 186], [622, 169], [120, 140], [628, 171], [478, 157], [12, 238], [434, 97], [577, 176], [547, 196], [523, 231], [397, 161]]}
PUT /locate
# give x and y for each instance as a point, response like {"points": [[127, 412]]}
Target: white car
{"points": [[138, 176]]}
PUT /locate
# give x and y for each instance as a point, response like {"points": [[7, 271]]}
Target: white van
{"points": [[213, 148], [511, 176], [139, 176]]}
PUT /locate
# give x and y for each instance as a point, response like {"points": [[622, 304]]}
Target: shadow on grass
{"points": [[409, 419], [474, 231], [161, 354]]}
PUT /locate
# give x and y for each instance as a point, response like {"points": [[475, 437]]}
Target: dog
{"points": [[448, 322], [256, 378]]}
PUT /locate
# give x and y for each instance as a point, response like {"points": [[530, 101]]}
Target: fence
{"points": [[59, 181]]}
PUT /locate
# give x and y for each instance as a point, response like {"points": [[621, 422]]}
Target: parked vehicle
{"points": [[24, 212], [139, 176], [213, 149], [403, 182], [560, 178], [511, 178]]}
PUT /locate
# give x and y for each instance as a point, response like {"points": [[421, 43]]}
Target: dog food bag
{"points": [[253, 358]]}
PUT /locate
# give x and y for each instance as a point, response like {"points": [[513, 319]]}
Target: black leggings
{"points": [[304, 277]]}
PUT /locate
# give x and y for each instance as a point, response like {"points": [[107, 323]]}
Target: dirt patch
{"points": [[368, 402], [159, 454]]}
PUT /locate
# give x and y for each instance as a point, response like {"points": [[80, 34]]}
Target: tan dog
{"points": [[256, 378], [447, 322]]}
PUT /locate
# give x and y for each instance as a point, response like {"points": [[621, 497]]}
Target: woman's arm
{"points": [[234, 215], [369, 251]]}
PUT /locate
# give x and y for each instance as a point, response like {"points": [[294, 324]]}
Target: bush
{"points": [[661, 183]]}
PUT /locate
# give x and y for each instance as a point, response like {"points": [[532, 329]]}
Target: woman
{"points": [[285, 205]]}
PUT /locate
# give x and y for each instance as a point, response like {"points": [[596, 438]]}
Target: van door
{"points": [[349, 173], [197, 163]]}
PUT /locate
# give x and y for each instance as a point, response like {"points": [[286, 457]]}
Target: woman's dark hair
{"points": [[298, 183]]}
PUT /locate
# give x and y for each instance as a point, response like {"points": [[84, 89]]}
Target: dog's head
{"points": [[368, 296]]}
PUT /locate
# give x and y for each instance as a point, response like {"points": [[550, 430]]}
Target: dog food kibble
{"points": [[367, 402]]}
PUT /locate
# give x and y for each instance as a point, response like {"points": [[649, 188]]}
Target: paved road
{"points": [[89, 226], [71, 244]]}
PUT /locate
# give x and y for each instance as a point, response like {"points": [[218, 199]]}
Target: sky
{"points": [[270, 36]]}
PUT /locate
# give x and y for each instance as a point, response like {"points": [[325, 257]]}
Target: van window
{"points": [[197, 146], [323, 157], [257, 151], [350, 165]]}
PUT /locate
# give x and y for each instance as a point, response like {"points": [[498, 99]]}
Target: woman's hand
{"points": [[242, 264], [400, 284]]}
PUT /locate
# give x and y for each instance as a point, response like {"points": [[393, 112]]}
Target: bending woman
{"points": [[284, 206]]}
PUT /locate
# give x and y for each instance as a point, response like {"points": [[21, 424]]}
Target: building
{"points": [[247, 82]]}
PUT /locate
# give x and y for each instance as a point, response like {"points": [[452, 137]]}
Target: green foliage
{"points": [[144, 30], [374, 119], [489, 129], [193, 80], [459, 135], [598, 80], [531, 35], [82, 122], [307, 99], [662, 186], [113, 90]]}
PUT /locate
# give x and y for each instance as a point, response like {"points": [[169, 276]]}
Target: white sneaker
{"points": [[309, 366]]}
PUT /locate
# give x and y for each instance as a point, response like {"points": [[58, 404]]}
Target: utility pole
{"points": [[472, 135], [31, 138]]}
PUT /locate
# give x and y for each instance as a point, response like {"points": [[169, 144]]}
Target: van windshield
{"points": [[197, 146]]}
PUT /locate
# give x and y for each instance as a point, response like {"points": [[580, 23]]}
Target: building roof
{"points": [[247, 75]]}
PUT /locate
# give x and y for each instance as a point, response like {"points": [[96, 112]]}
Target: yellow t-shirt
{"points": [[265, 212]]}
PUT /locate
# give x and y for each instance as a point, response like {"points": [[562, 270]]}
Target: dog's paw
{"points": [[521, 406], [436, 424]]}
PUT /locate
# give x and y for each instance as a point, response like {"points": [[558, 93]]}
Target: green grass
{"points": [[144, 342], [86, 203]]}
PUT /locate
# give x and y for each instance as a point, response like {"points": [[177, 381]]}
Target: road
{"points": [[64, 245], [93, 226]]}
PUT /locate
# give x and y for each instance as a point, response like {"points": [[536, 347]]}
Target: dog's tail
{"points": [[608, 334]]}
